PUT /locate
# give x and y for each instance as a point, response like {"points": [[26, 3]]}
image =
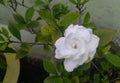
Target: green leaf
{"points": [[33, 24], [19, 18], [21, 53], [105, 66], [29, 14], [105, 35], [69, 18], [2, 62], [1, 38], [75, 79], [39, 3], [49, 66], [2, 2], [20, 26], [73, 1], [3, 46], [87, 18], [44, 35], [47, 48], [96, 78], [59, 10], [26, 47], [15, 32], [5, 32], [48, 17], [53, 79], [113, 59], [66, 80]]}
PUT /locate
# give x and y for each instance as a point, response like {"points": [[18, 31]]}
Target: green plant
{"points": [[53, 21]]}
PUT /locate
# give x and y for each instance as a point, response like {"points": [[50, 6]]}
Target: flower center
{"points": [[74, 45]]}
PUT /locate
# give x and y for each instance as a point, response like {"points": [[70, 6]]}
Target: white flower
{"points": [[78, 46]]}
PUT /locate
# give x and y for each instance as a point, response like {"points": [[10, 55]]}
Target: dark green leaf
{"points": [[2, 62], [20, 26], [75, 79], [49, 66], [9, 50], [15, 32], [1, 38], [105, 66], [105, 35], [29, 14], [70, 18], [66, 80], [87, 18], [113, 59], [19, 18], [26, 47], [96, 78], [21, 53], [59, 10], [53, 79], [33, 24], [3, 46], [2, 2], [48, 17], [5, 32], [47, 48]]}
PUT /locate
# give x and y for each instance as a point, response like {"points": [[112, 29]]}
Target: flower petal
{"points": [[59, 42], [92, 45], [70, 65]]}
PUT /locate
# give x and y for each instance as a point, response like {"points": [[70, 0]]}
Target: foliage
{"points": [[52, 21]]}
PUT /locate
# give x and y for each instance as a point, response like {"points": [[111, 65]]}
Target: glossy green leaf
{"points": [[29, 14], [113, 59], [53, 79], [33, 24], [105, 35], [70, 18], [48, 17], [49, 66], [15, 32], [18, 18]]}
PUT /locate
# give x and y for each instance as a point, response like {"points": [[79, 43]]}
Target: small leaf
{"points": [[15, 32], [1, 38], [19, 18], [26, 47], [75, 79], [70, 18], [33, 24], [21, 53], [53, 79], [87, 18], [105, 35], [44, 35], [48, 17], [3, 46], [29, 14], [49, 66], [66, 80], [113, 59], [39, 3], [5, 32], [59, 10]]}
